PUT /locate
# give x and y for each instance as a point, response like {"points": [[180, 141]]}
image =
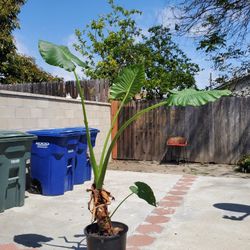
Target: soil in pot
{"points": [[98, 242]]}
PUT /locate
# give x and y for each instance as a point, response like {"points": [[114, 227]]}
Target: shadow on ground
{"points": [[233, 207], [37, 241]]}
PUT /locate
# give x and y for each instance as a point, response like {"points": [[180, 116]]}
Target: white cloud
{"points": [[170, 16], [69, 41], [21, 48], [167, 17]]}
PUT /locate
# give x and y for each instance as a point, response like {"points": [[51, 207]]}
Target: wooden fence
{"points": [[218, 132], [94, 90]]}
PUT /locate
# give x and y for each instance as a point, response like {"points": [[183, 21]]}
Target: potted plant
{"points": [[105, 234]]}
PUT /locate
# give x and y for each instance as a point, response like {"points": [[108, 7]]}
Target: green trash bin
{"points": [[14, 152]]}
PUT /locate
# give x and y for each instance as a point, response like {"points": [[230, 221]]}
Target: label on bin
{"points": [[71, 151], [15, 161], [42, 144]]}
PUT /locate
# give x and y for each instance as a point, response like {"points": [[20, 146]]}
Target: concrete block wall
{"points": [[25, 111]]}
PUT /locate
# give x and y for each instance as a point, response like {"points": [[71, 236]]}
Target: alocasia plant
{"points": [[128, 83]]}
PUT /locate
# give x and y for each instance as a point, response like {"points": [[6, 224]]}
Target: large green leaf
{"points": [[144, 192], [58, 55], [192, 97], [129, 82]]}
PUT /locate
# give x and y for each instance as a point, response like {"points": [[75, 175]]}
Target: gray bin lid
{"points": [[10, 135]]}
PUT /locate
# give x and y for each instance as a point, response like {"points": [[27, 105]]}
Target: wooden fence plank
{"points": [[94, 90], [244, 126], [218, 132]]}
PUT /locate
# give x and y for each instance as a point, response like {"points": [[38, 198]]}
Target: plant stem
{"points": [[85, 120], [121, 129], [120, 204], [110, 131]]}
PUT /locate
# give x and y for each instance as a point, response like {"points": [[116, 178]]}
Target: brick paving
{"points": [[140, 240], [146, 233], [174, 192], [149, 228], [12, 247], [157, 219], [163, 211]]}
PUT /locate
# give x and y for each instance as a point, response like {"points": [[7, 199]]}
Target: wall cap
{"points": [[47, 97]]}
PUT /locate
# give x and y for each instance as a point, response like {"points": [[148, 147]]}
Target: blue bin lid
{"points": [[54, 132], [83, 129]]}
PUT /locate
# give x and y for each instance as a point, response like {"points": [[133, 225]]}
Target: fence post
{"points": [[114, 108]]}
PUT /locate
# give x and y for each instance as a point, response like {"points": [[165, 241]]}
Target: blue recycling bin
{"points": [[82, 169], [53, 157]]}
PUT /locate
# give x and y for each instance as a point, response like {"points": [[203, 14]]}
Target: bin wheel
{"points": [[35, 187]]}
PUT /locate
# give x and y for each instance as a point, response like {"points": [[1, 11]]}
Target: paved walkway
{"points": [[151, 228], [193, 213]]}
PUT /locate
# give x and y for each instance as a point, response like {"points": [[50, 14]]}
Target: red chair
{"points": [[178, 143]]}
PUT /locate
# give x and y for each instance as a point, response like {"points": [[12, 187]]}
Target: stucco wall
{"points": [[21, 111]]}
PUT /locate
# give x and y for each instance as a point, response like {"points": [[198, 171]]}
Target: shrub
{"points": [[244, 164]]}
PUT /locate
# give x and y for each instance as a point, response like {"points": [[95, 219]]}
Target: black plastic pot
{"points": [[96, 242]]}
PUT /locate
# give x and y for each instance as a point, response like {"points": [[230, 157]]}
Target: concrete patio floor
{"points": [[193, 213]]}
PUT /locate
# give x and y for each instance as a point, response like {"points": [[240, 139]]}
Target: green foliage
{"points": [[23, 69], [144, 191], [16, 68], [167, 67], [244, 163], [192, 97], [59, 56], [9, 21], [224, 32], [212, 42], [107, 43], [221, 20], [114, 41], [224, 61], [128, 83]]}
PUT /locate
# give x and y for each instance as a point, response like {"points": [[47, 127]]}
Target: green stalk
{"points": [[110, 131], [112, 126], [85, 120], [119, 132], [120, 204]]}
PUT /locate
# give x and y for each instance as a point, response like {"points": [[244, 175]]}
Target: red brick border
{"points": [[146, 233], [12, 246]]}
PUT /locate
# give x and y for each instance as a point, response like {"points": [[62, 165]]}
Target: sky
{"points": [[56, 21]]}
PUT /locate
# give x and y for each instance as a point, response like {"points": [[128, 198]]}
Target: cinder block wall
{"points": [[25, 111]]}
